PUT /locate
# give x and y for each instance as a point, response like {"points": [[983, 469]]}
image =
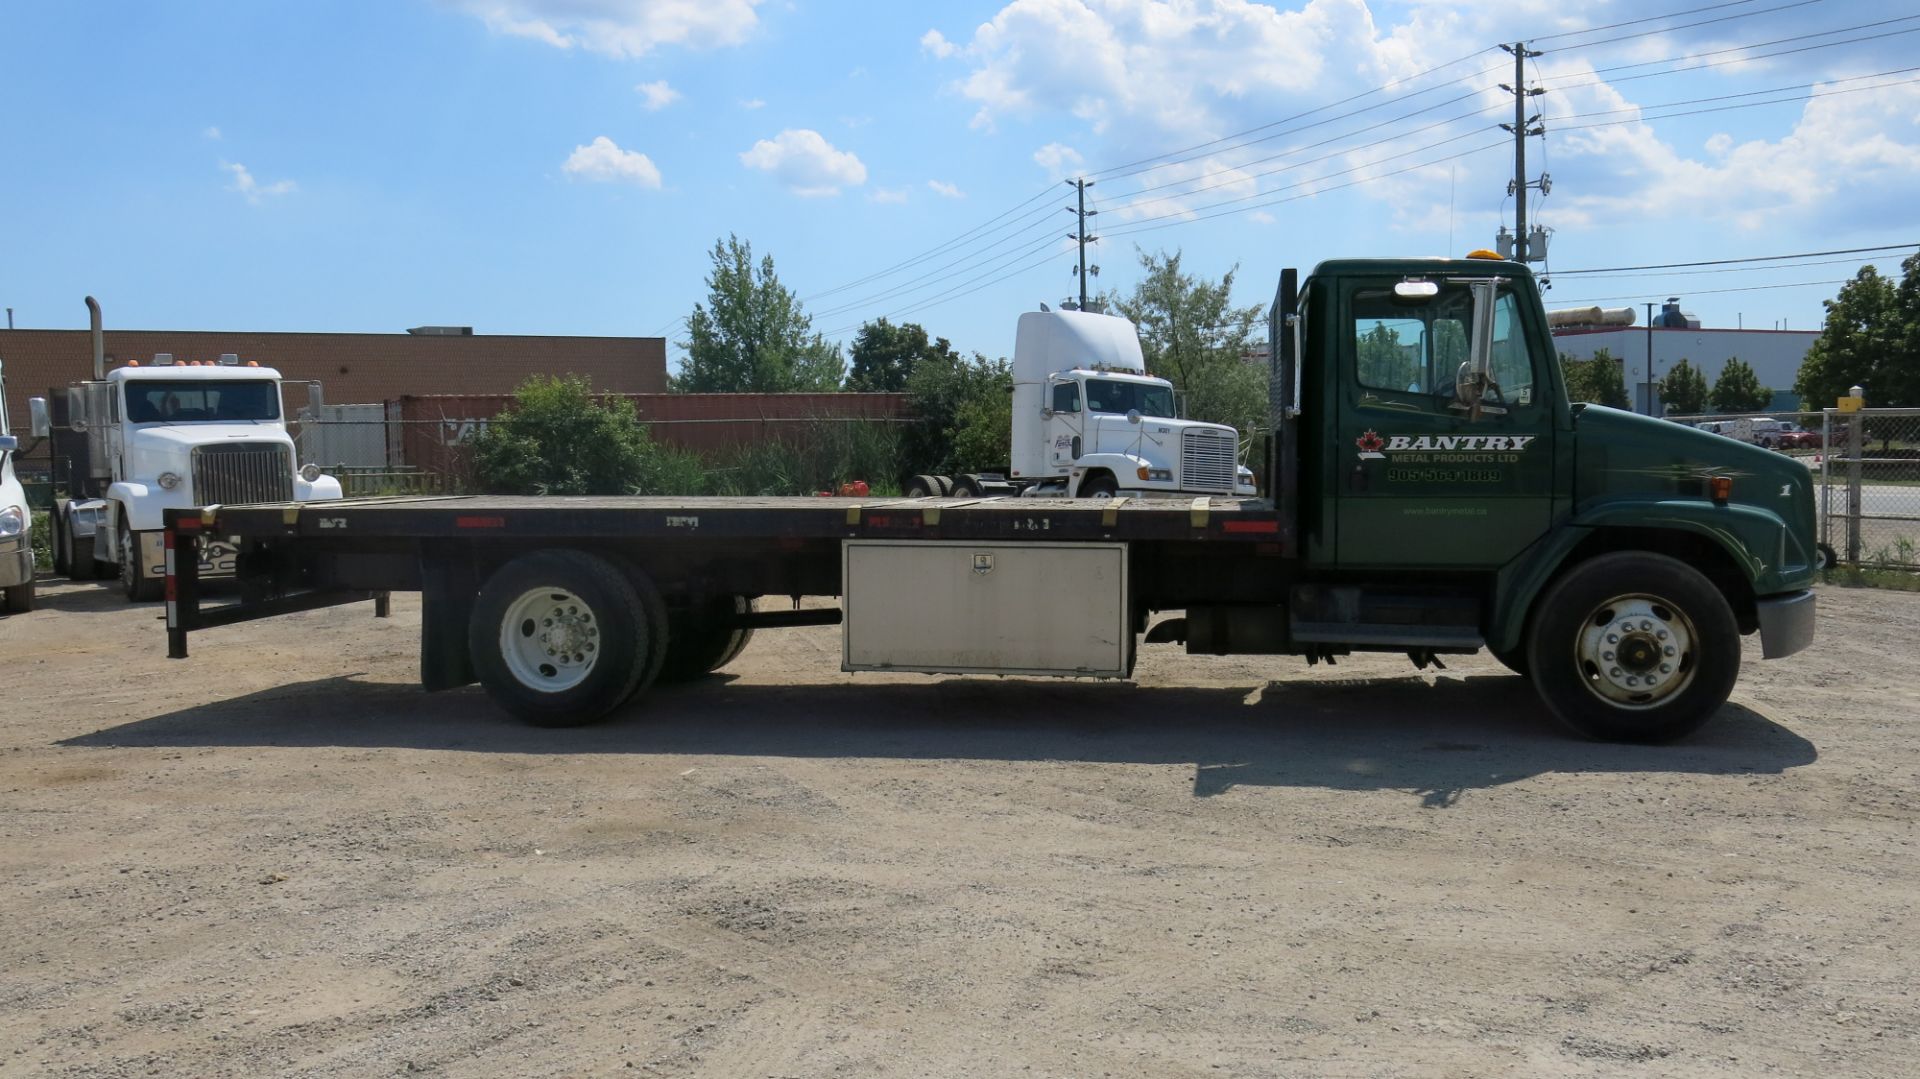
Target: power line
{"points": [[1733, 108], [1755, 93], [1663, 274], [1688, 26], [1696, 292], [1649, 18], [1732, 262]]}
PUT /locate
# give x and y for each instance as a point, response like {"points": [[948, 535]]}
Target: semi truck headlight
{"points": [[168, 480], [309, 472], [13, 521], [1155, 475]]}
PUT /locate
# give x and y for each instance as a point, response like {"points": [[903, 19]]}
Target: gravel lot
{"points": [[280, 857]]}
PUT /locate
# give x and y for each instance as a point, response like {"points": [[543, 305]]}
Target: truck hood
{"points": [[1625, 457], [1116, 434], [181, 437]]}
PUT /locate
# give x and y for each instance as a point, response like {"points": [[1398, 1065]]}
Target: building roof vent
{"points": [[442, 331]]}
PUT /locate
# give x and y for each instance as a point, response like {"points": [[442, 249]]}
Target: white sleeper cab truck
{"points": [[143, 438], [1090, 422], [16, 522]]}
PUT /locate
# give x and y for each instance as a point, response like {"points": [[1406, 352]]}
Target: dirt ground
{"points": [[280, 857]]}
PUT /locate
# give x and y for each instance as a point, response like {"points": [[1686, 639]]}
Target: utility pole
{"points": [[1522, 127], [1649, 304], [1079, 235]]}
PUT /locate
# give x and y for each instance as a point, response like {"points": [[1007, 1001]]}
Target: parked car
{"points": [[1795, 437]]}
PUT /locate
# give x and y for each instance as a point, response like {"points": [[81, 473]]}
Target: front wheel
{"points": [[560, 638], [1101, 486], [140, 585], [1634, 647]]}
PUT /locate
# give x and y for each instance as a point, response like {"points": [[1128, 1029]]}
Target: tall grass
{"points": [[819, 457]]}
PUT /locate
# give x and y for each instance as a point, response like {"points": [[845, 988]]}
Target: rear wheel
{"points": [[967, 486], [1634, 647], [702, 638], [923, 487], [560, 638], [58, 541]]}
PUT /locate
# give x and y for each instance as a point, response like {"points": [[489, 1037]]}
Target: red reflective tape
{"points": [[168, 537], [173, 591], [479, 522], [1250, 526], [188, 524]]}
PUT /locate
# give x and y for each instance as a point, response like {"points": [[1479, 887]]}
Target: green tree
{"points": [[1193, 335], [1871, 338], [963, 416], [1385, 362], [752, 335], [1684, 389], [557, 438], [1598, 380], [1738, 389], [883, 355]]}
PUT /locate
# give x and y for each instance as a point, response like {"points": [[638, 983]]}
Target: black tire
{"points": [[700, 639], [946, 485], [624, 632], [922, 487], [1658, 600], [58, 540], [81, 565], [1101, 486], [19, 599], [968, 486], [139, 585]]}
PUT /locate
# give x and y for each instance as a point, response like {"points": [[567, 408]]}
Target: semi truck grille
{"points": [[242, 472], [1208, 460]]}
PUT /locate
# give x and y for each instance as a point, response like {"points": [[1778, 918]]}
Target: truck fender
{"points": [[1125, 468], [1736, 531], [138, 499], [320, 490]]}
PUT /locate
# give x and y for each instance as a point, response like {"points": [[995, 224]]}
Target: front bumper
{"points": [[16, 562], [1786, 623]]}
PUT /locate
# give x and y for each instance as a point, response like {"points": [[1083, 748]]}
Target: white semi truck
{"points": [[1090, 422], [170, 433], [16, 523]]}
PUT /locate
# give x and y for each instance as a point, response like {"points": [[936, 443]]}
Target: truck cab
{"points": [[143, 438], [16, 522], [1090, 421]]}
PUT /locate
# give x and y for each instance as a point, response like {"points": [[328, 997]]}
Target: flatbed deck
{"points": [[630, 517]]}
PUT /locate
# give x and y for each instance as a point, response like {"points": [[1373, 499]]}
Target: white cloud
{"points": [[888, 195], [251, 189], [602, 161], [657, 95], [946, 190], [211, 133], [935, 42], [621, 28], [1058, 160], [752, 103], [806, 163]]}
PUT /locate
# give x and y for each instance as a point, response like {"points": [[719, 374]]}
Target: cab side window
{"points": [[1066, 397], [1512, 368]]}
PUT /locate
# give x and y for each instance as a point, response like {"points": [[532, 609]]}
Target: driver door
{"points": [[1065, 426], [1422, 480]]}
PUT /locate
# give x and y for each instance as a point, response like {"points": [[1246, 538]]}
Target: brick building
{"points": [[352, 367]]}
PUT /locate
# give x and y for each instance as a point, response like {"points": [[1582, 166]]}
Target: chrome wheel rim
{"points": [[1636, 651], [550, 639]]}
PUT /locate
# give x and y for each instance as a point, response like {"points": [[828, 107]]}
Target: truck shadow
{"points": [[1436, 739]]}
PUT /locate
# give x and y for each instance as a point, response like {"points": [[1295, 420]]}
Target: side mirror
{"points": [[1046, 413], [1133, 415], [1471, 382], [8, 443], [39, 420]]}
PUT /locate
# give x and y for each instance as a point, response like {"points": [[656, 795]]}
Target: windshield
{"points": [[200, 402], [1120, 398]]}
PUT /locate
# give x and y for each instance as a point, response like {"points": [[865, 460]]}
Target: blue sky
{"points": [[564, 166]]}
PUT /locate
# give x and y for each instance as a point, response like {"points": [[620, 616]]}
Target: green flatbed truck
{"points": [[1429, 490]]}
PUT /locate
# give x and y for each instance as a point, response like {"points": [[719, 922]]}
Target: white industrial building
{"points": [[1774, 355]]}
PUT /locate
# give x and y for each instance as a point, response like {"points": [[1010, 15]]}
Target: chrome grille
{"points": [[241, 472], [1208, 460]]}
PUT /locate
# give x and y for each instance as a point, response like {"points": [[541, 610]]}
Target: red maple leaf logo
{"points": [[1371, 442]]}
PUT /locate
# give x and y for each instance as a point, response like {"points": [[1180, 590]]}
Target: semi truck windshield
{"points": [[1123, 397], [200, 402]]}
